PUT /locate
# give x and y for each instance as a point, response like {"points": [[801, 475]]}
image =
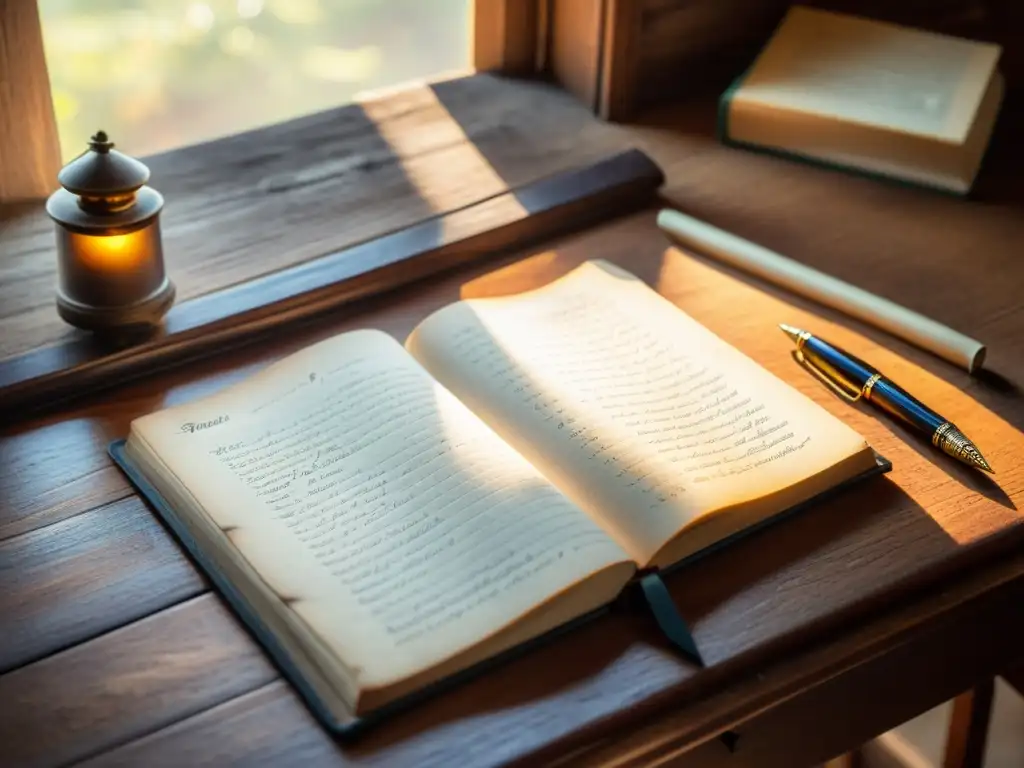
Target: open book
{"points": [[393, 515]]}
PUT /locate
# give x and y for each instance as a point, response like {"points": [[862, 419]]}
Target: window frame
{"points": [[29, 146], [616, 56], [506, 36]]}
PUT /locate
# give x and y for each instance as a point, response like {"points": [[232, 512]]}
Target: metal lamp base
{"points": [[148, 312]]}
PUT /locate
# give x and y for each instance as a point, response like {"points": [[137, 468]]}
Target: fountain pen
{"points": [[853, 380]]}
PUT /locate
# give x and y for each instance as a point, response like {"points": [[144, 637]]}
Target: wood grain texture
{"points": [[267, 727], [595, 53], [524, 705], [777, 615], [786, 714], [125, 684], [29, 147], [73, 580], [46, 378], [54, 469], [763, 599], [906, 662], [506, 36], [251, 204]]}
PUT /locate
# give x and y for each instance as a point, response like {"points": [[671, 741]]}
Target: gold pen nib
{"points": [[789, 330], [979, 461], [954, 442]]}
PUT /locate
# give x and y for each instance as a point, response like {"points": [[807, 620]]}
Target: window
{"points": [[159, 74]]}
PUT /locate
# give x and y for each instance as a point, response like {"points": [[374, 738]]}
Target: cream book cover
{"points": [[870, 96]]}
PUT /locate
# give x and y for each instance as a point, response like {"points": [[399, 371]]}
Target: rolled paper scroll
{"points": [[830, 291]]}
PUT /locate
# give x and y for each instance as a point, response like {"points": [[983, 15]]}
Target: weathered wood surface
{"points": [[251, 204], [66, 582], [852, 674], [49, 377], [775, 616], [127, 683], [764, 597]]}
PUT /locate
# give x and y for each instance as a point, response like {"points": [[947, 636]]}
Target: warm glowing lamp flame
{"points": [[113, 253]]}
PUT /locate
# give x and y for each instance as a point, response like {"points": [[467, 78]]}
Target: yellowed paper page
{"points": [[641, 415], [379, 508]]}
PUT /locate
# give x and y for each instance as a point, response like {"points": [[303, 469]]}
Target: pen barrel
{"points": [[904, 406], [856, 380], [854, 374], [842, 367]]}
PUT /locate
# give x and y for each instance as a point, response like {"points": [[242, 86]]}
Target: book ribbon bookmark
{"points": [[665, 613]]}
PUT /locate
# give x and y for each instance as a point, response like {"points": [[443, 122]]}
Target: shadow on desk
{"points": [[816, 569], [999, 180], [971, 479], [802, 578], [760, 594]]}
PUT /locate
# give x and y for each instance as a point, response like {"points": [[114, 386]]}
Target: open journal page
{"points": [[636, 411], [385, 514]]}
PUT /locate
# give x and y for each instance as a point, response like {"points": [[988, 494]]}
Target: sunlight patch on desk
{"points": [[514, 278], [966, 504], [439, 159]]}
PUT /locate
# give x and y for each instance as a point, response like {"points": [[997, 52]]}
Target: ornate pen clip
{"points": [[849, 394]]}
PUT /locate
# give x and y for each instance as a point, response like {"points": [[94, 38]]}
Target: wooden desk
{"points": [[820, 633]]}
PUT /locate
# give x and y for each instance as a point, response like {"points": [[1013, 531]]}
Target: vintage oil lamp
{"points": [[111, 274]]}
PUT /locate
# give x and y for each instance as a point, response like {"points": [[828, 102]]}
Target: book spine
{"points": [[724, 108]]}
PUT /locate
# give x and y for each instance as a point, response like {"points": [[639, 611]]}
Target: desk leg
{"points": [[968, 727]]}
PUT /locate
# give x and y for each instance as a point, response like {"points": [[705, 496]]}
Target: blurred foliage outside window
{"points": [[159, 74]]}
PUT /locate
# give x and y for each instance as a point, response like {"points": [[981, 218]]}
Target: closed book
{"points": [[870, 97]]}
